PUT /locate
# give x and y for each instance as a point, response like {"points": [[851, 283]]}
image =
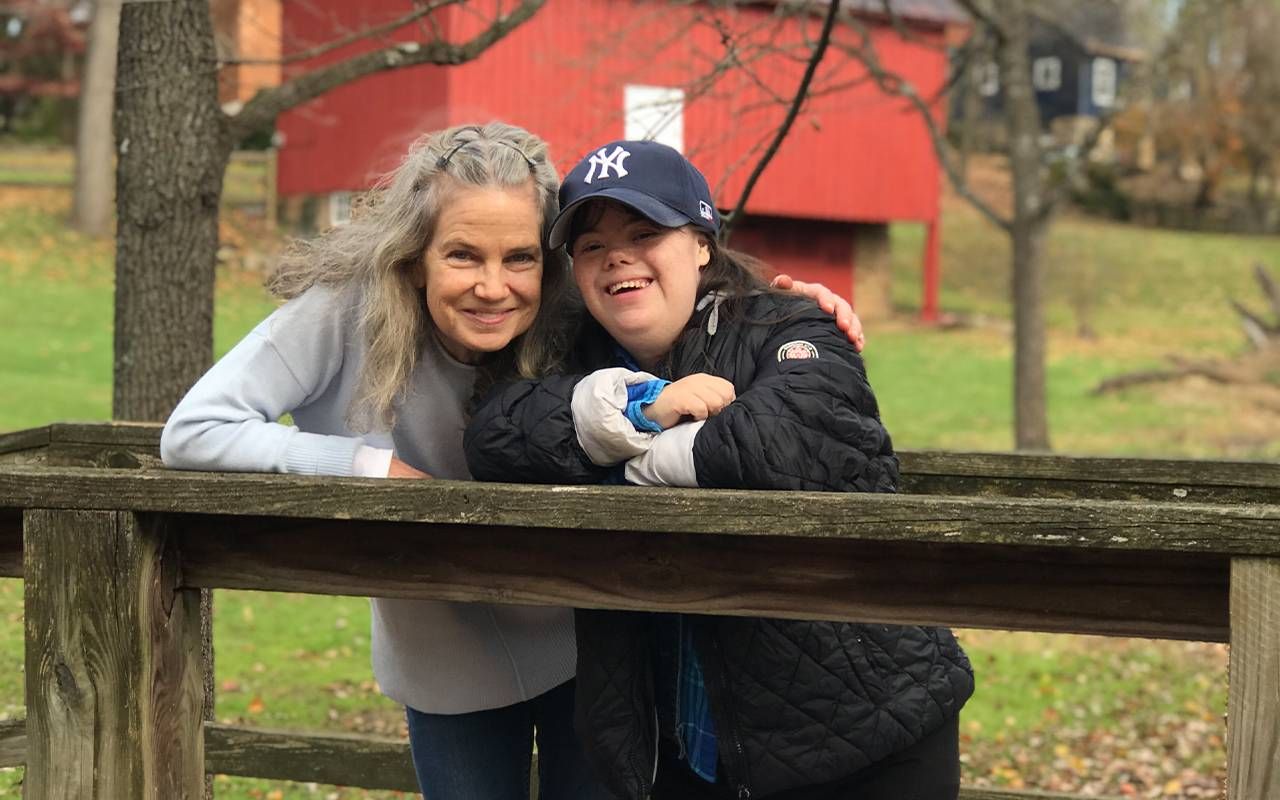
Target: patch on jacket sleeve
{"points": [[797, 349]]}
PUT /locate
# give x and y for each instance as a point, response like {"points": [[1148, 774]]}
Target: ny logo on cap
{"points": [[612, 161], [704, 211]]}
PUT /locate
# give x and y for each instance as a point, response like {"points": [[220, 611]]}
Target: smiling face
{"points": [[483, 269], [639, 279]]}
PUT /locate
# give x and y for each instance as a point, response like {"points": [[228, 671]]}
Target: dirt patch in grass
{"points": [[1245, 419], [988, 178], [44, 199]]}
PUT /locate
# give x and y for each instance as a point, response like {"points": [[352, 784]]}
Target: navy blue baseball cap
{"points": [[651, 178]]}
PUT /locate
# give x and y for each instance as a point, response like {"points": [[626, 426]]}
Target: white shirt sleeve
{"points": [[371, 462], [599, 407], [669, 459]]}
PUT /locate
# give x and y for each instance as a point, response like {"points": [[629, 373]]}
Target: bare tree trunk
{"points": [[1030, 226], [91, 206], [173, 147]]}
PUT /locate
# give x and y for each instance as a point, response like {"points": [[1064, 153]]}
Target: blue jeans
{"points": [[485, 755]]}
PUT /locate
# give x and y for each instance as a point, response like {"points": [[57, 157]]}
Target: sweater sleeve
{"points": [[808, 419], [228, 420]]}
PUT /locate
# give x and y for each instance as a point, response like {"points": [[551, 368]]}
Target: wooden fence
{"points": [[114, 552]]}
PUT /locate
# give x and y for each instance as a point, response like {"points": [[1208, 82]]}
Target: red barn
{"points": [[712, 80]]}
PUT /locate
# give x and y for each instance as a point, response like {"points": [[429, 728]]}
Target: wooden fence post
{"points": [[114, 695], [1253, 709]]}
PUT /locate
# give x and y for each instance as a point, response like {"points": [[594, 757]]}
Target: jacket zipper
{"points": [[744, 791], [653, 779]]}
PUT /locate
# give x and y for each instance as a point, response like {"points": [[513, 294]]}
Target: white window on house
{"points": [[1103, 82], [655, 112], [989, 80], [1046, 74], [339, 208]]}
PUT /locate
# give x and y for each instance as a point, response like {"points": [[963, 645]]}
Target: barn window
{"points": [[655, 112], [989, 80], [1104, 82], [1046, 74], [339, 208]]}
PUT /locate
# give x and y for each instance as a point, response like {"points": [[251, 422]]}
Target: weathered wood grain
{"points": [[1253, 708], [1064, 524], [113, 691], [1188, 473], [136, 434], [26, 447], [370, 762], [103, 456], [1095, 489], [344, 759], [1175, 595], [13, 743], [115, 444], [108, 445], [29, 439]]}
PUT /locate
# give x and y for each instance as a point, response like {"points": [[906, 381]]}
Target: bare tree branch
{"points": [[894, 85], [351, 38], [987, 16], [1269, 288], [1256, 329], [270, 103], [793, 111]]}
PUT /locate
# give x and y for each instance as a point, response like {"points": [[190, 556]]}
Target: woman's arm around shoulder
{"points": [[228, 420]]}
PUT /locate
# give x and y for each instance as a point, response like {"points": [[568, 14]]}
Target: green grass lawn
{"points": [[1052, 712]]}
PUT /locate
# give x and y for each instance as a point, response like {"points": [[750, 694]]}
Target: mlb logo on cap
{"points": [[651, 178], [613, 161]]}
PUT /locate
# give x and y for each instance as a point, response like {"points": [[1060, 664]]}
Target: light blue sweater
{"points": [[304, 359]]}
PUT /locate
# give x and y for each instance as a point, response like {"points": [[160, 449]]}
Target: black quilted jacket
{"points": [[796, 703]]}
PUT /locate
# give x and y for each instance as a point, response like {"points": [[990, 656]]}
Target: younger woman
{"points": [[703, 377]]}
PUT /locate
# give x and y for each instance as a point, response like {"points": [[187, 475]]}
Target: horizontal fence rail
{"points": [[1171, 549], [133, 445], [370, 762], [1012, 563]]}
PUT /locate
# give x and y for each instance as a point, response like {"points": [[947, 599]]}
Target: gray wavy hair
{"points": [[379, 254]]}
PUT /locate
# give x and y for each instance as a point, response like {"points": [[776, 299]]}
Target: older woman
{"points": [[391, 323], [388, 324]]}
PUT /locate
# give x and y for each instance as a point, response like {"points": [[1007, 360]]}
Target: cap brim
{"points": [[653, 209]]}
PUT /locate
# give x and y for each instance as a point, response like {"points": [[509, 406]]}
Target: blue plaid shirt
{"points": [[695, 729]]}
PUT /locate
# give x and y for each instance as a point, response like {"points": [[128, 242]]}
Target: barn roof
{"points": [[935, 12], [941, 11]]}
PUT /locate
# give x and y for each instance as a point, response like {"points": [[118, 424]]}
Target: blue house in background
{"points": [[1080, 57]]}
